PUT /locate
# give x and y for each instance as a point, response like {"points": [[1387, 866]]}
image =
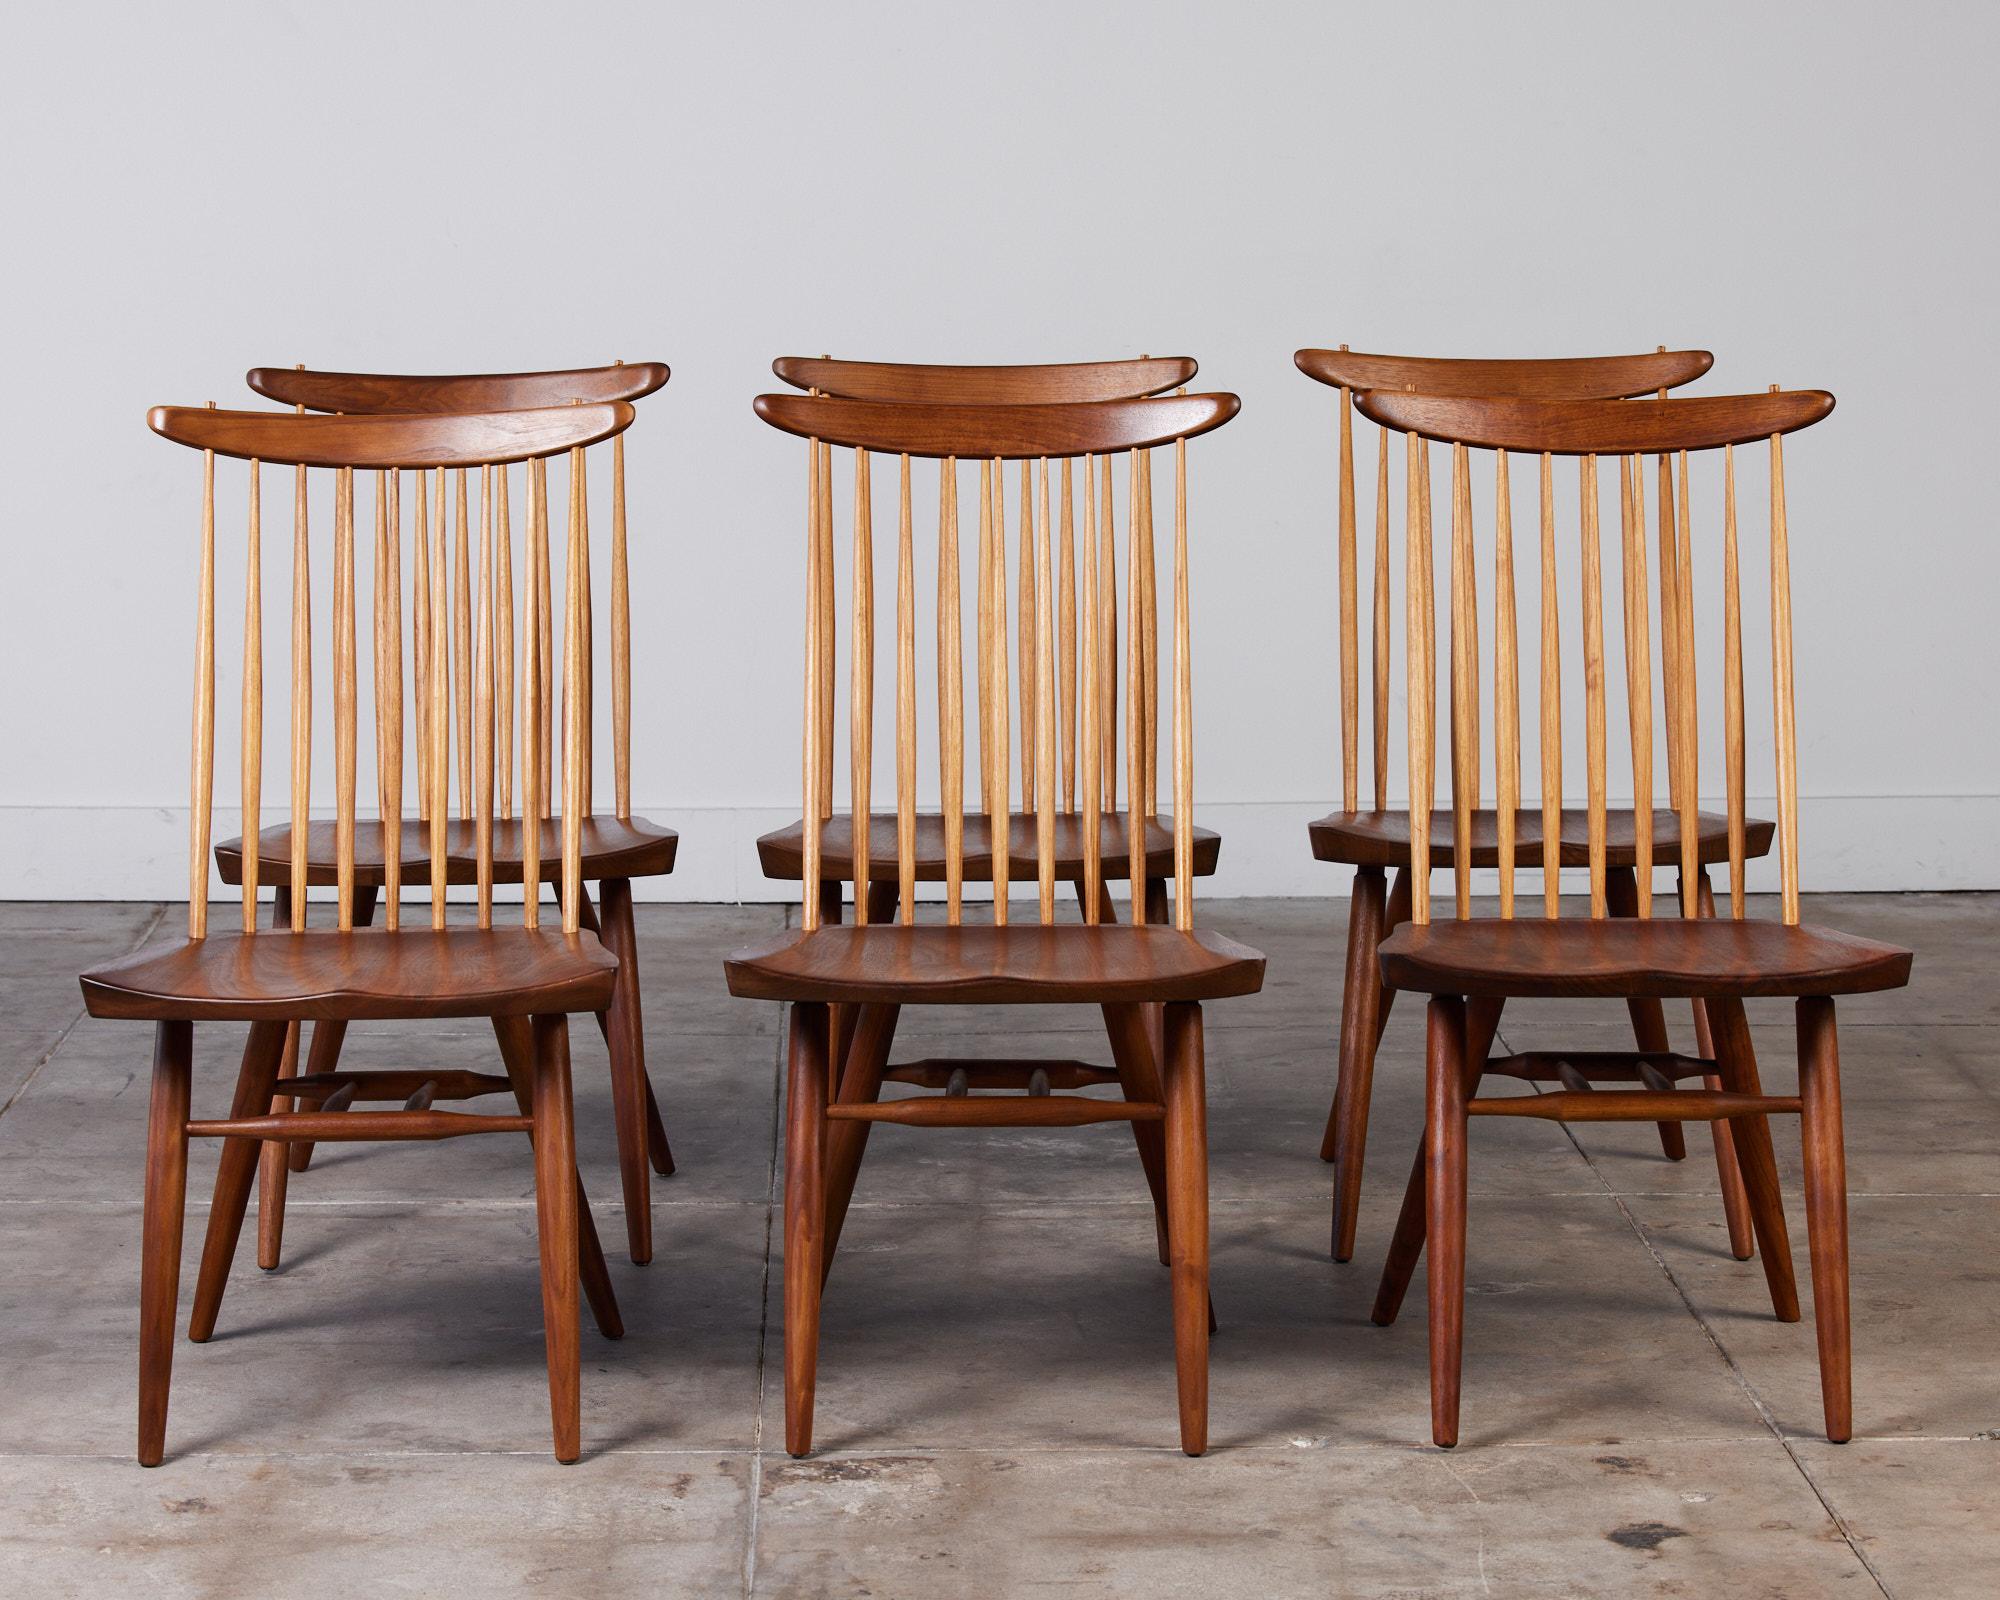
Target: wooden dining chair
{"points": [[1377, 838], [781, 852], [873, 967], [525, 980], [617, 845], [1472, 966]]}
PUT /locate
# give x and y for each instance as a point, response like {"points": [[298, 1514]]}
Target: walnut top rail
{"points": [[1589, 377], [998, 432], [457, 392], [388, 440], [909, 382], [1597, 427]]}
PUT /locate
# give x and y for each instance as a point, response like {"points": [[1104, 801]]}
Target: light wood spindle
{"points": [[576, 670], [814, 732], [621, 641], [1091, 708], [1783, 719], [906, 702], [1422, 667], [503, 644], [1551, 737], [301, 697], [378, 643], [1066, 636], [545, 647], [389, 703], [483, 715], [1593, 678], [534, 690], [420, 640], [1028, 666], [1350, 645], [1464, 680], [951, 697], [1506, 678], [1135, 692], [345, 708], [1670, 629], [201, 783], [1044, 705], [1732, 686], [861, 684], [253, 696], [1107, 640], [586, 699], [983, 588], [461, 640], [1147, 621], [1380, 726], [1638, 675], [440, 714], [827, 631], [1687, 700], [1003, 777], [1183, 708]]}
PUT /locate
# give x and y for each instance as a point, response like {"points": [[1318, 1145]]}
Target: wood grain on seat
{"points": [[368, 973], [1021, 964], [1382, 838], [612, 848], [782, 852], [1620, 957]]}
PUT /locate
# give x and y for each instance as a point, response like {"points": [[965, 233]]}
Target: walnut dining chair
{"points": [[526, 981], [617, 846], [875, 967], [1373, 840], [1470, 966]]}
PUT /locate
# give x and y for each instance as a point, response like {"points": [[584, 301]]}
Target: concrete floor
{"points": [[996, 1411]]}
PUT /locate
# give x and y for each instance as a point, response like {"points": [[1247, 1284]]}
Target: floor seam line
{"points": [[48, 1055]]}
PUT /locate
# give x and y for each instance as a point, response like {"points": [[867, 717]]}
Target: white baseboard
{"points": [[1848, 842]]}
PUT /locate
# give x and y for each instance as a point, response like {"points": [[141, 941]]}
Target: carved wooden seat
{"points": [[911, 383], [847, 985], [617, 846], [1375, 839], [1472, 967], [525, 980], [782, 851]]}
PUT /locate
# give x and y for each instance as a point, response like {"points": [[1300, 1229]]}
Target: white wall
{"points": [[190, 190]]}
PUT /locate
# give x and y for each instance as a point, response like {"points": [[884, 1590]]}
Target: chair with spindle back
{"points": [[617, 847], [1470, 967], [879, 966], [526, 980], [1375, 839]]}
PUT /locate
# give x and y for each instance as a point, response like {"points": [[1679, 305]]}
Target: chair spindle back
{"points": [[1591, 430], [994, 435]]}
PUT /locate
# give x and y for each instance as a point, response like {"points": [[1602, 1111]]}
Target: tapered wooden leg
{"points": [[274, 1165], [1444, 1193], [160, 1247], [847, 1142], [517, 1048], [1398, 912], [1129, 1028], [1187, 1206], [1736, 1065], [1359, 1030], [1826, 1209], [805, 1217], [1735, 1204], [233, 1174], [1649, 1021], [658, 1151], [1406, 1245], [556, 1224], [626, 1043]]}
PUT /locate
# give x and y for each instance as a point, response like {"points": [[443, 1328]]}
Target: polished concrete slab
{"points": [[996, 1410]]}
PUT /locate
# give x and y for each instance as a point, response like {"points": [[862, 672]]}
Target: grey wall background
{"points": [[1807, 190]]}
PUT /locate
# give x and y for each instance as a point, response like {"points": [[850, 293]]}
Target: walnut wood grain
{"points": [[1560, 377], [781, 852], [1010, 433], [456, 392], [1597, 427], [918, 383], [385, 440], [633, 848]]}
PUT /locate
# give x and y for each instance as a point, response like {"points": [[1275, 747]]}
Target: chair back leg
{"points": [[1187, 1216], [556, 1223], [1445, 1144], [805, 1217], [1826, 1208], [166, 1205]]}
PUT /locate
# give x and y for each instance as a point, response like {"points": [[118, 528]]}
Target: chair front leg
{"points": [[1826, 1209], [1728, 1171], [160, 1237], [1736, 1065], [1363, 1009], [805, 1216], [556, 1225], [233, 1175], [1187, 1225], [625, 1041], [847, 1142], [1445, 1155]]}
